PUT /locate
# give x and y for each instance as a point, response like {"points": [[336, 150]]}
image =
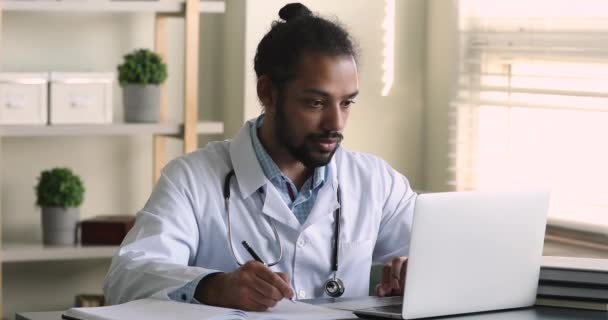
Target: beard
{"points": [[306, 152]]}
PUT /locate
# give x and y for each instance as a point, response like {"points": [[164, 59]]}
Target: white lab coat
{"points": [[182, 232]]}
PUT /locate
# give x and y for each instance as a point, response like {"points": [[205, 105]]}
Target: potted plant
{"points": [[140, 76], [59, 193]]}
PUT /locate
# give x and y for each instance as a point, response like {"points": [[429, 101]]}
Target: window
{"points": [[532, 104]]}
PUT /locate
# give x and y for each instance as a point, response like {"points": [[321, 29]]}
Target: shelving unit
{"points": [[37, 252], [162, 129], [187, 131], [158, 6]]}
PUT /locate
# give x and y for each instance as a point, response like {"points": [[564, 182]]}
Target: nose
{"points": [[334, 118]]}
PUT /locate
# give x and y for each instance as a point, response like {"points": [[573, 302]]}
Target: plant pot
{"points": [[141, 102], [59, 225]]}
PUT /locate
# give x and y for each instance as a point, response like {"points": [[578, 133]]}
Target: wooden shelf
{"points": [[160, 6], [20, 252], [162, 10], [174, 130]]}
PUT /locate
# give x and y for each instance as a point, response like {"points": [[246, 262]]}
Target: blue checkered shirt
{"points": [[300, 202]]}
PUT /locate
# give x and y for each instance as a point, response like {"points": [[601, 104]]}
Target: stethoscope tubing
{"points": [[336, 241], [227, 207]]}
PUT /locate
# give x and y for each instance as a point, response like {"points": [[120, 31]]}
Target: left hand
{"points": [[393, 278]]}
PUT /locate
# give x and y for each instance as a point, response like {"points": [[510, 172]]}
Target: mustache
{"points": [[326, 135]]}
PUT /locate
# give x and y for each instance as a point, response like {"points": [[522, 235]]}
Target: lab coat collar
{"points": [[250, 178], [246, 166]]}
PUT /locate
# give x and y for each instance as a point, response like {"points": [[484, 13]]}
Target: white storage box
{"points": [[23, 98], [81, 97]]}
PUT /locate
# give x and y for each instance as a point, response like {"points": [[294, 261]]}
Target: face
{"points": [[311, 111]]}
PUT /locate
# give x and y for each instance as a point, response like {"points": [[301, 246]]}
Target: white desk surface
{"points": [[537, 313]]}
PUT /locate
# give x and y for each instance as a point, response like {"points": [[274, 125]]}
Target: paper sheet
{"points": [[152, 309], [286, 309]]}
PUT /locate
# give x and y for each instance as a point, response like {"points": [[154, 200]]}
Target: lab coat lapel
{"points": [[250, 178], [276, 208], [327, 201]]}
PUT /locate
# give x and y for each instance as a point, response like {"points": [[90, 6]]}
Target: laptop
{"points": [[471, 252]]}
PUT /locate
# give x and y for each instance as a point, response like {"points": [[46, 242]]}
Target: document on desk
{"points": [[153, 309]]}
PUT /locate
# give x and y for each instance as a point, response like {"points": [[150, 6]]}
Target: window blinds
{"points": [[531, 109]]}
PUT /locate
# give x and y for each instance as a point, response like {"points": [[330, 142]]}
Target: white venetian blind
{"points": [[532, 103]]}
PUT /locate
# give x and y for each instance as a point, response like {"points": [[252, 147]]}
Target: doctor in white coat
{"points": [[315, 215]]}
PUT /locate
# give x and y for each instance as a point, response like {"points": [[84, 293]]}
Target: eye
{"points": [[348, 103], [315, 103]]}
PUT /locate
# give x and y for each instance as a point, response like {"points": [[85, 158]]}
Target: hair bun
{"points": [[294, 10]]}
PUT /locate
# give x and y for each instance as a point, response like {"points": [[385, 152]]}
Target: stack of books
{"points": [[580, 283]]}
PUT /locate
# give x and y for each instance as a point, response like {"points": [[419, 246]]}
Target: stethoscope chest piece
{"points": [[334, 287]]}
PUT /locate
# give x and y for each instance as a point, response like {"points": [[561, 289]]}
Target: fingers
{"points": [[262, 301], [265, 289], [385, 287], [398, 266], [259, 288], [393, 277], [383, 290], [285, 278], [280, 282], [251, 304], [402, 276]]}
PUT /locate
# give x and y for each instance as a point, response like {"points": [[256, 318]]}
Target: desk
{"points": [[534, 313]]}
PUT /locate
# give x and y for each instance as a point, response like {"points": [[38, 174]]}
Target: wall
{"points": [[440, 70], [234, 67]]}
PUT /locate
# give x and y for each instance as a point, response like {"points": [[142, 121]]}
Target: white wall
{"points": [[441, 69], [234, 67]]}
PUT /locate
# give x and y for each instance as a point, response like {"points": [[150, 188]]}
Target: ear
{"points": [[266, 93]]}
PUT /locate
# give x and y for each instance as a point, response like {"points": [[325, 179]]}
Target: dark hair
{"points": [[279, 52]]}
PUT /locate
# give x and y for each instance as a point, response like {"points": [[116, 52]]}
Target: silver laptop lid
{"points": [[474, 251]]}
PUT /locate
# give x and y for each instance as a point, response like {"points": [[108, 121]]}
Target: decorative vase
{"points": [[59, 225], [141, 102]]}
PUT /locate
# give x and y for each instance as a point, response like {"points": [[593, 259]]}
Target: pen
{"points": [[252, 253], [256, 257]]}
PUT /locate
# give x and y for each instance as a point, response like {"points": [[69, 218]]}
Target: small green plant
{"points": [[59, 187], [142, 66]]}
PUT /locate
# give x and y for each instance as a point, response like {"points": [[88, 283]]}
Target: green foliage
{"points": [[59, 187], [142, 66]]}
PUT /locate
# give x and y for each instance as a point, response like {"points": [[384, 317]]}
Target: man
{"points": [[282, 192]]}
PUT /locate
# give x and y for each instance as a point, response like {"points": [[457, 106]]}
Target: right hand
{"points": [[252, 287]]}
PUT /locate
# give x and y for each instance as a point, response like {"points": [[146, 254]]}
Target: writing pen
{"points": [[256, 257]]}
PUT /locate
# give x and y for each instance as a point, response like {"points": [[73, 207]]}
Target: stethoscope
{"points": [[334, 287]]}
